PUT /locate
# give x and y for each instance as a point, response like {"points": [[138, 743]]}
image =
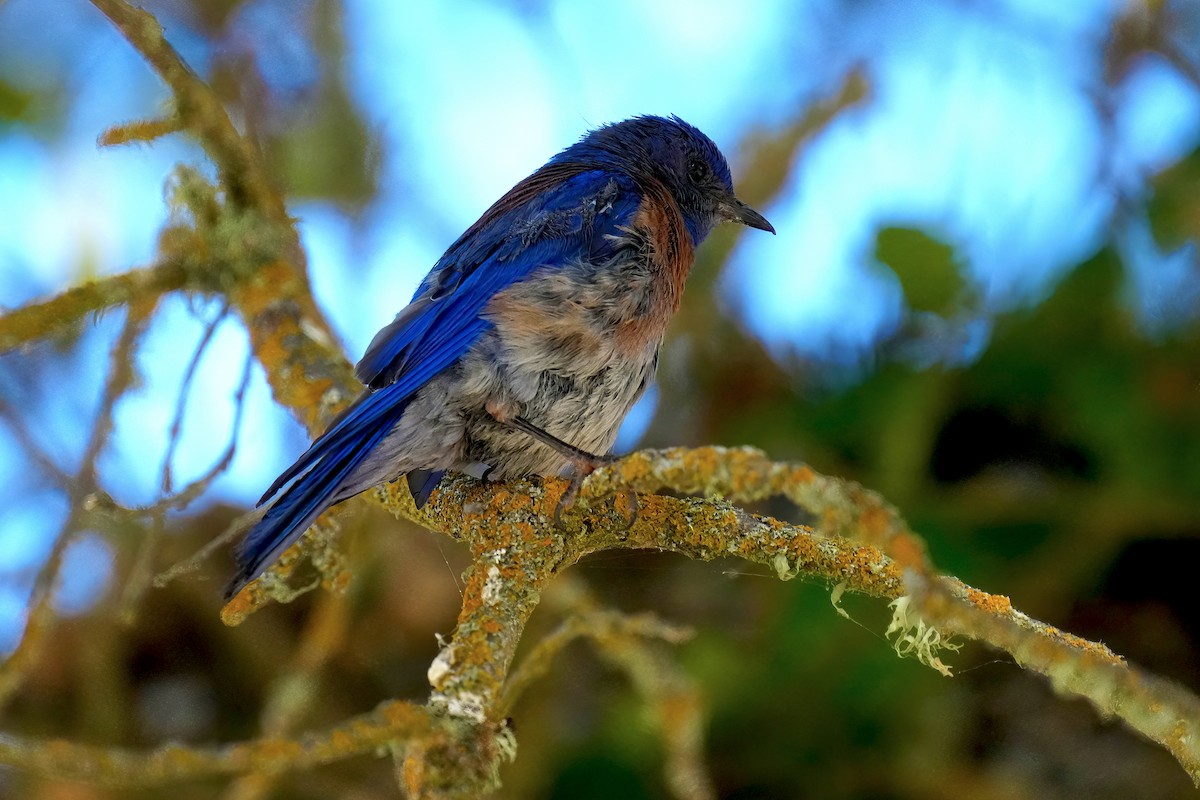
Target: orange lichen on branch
{"points": [[142, 130], [243, 604], [908, 551], [991, 603], [709, 528], [307, 370]]}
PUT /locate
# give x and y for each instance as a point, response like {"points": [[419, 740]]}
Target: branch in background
{"points": [[129, 768], [633, 644], [289, 336], [40, 616], [34, 452], [295, 690], [199, 110], [189, 374], [51, 317], [141, 574]]}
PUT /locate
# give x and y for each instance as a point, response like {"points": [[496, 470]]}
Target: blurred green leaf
{"points": [[925, 266], [38, 108], [346, 170], [15, 103], [1175, 207]]}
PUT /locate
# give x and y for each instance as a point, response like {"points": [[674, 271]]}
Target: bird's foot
{"points": [[584, 467]]}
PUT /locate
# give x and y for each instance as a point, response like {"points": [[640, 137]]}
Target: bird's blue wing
{"points": [[559, 214]]}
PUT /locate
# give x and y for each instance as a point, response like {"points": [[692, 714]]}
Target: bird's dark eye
{"points": [[697, 170]]}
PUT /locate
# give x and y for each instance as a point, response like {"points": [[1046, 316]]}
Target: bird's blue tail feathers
{"points": [[319, 478]]}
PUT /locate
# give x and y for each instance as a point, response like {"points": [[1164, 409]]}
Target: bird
{"points": [[531, 337]]}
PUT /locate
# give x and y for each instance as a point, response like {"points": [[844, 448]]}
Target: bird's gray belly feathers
{"points": [[554, 356]]}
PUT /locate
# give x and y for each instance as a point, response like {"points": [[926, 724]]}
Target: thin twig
{"points": [[188, 493], [140, 576], [189, 565], [37, 455], [176, 429]]}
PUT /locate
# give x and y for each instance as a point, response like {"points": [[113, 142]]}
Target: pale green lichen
{"points": [[916, 638], [835, 597], [493, 587], [783, 569], [469, 706], [506, 744]]}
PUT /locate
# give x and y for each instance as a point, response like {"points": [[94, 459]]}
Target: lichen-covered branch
{"points": [[709, 528], [289, 336], [34, 321], [199, 110], [307, 370], [1160, 710], [127, 768]]}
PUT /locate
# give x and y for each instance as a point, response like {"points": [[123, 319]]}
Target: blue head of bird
{"points": [[678, 156]]}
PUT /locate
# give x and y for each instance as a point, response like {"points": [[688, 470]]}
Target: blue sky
{"points": [[982, 128]]}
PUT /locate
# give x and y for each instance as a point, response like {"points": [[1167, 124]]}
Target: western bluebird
{"points": [[532, 336]]}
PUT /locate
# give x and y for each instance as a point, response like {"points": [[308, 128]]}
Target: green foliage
{"points": [[925, 266], [1175, 208], [15, 103]]}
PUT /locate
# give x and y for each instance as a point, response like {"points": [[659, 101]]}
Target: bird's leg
{"points": [[583, 462]]}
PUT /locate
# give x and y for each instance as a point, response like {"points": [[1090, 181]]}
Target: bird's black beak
{"points": [[738, 211]]}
